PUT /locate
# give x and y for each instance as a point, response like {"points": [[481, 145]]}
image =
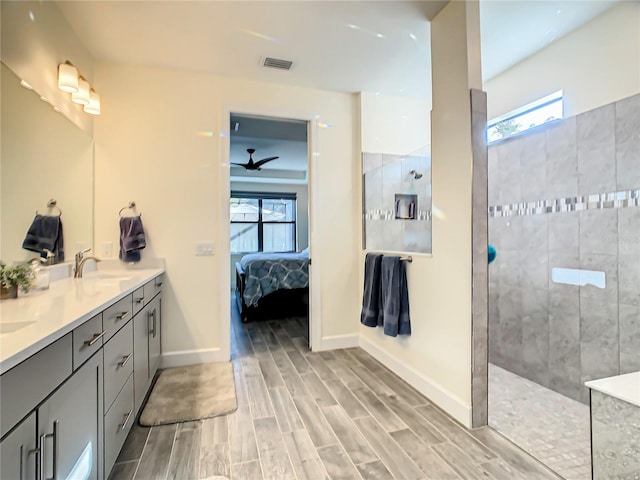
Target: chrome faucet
{"points": [[81, 260]]}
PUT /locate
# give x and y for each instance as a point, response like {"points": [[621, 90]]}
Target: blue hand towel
{"points": [[45, 232], [395, 297], [132, 239], [371, 295]]}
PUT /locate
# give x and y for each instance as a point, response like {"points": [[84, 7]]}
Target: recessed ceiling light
{"points": [[413, 37], [26, 84], [32, 16], [44, 99], [352, 26], [379, 35], [56, 109]]}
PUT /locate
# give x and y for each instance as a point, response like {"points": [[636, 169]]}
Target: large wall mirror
{"points": [[43, 156]]}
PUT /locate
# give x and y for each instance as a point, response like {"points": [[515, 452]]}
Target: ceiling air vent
{"points": [[277, 63]]}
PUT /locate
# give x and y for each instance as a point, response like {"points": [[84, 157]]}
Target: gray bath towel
{"points": [[395, 297], [371, 295], [45, 232], [132, 239]]}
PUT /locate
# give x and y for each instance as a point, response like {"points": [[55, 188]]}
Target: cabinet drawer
{"points": [[118, 363], [28, 383], [153, 287], [116, 316], [139, 300], [117, 423], [87, 340]]}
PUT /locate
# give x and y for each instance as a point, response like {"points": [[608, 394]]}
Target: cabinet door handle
{"points": [[33, 451], [43, 450], [140, 300], [96, 337], [125, 359], [152, 330], [126, 419], [121, 315]]}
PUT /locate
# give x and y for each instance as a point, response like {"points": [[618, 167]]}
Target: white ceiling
{"points": [[350, 46]]}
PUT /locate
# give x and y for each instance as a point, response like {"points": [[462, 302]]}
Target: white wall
{"points": [[148, 149], [436, 358], [595, 65], [35, 39], [395, 125]]}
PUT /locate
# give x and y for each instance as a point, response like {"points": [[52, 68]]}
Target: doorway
{"points": [[269, 222]]}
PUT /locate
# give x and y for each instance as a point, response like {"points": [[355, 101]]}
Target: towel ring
{"points": [[53, 204], [131, 206]]}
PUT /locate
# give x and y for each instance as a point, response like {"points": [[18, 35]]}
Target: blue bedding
{"points": [[267, 272]]}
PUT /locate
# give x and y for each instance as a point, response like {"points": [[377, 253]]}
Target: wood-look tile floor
{"points": [[318, 416]]}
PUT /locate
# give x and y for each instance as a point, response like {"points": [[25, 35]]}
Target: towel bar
{"points": [[53, 204], [131, 206]]}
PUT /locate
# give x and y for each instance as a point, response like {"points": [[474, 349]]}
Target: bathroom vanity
{"points": [[76, 363], [615, 426]]}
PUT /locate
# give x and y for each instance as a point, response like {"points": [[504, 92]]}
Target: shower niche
{"points": [[396, 212]]}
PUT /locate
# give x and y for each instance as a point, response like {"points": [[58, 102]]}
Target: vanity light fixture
{"points": [[82, 96], [71, 81], [93, 107], [67, 77]]}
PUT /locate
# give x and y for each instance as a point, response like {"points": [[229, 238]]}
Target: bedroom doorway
{"points": [[269, 229]]}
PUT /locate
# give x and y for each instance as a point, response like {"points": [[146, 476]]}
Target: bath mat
{"points": [[184, 394]]}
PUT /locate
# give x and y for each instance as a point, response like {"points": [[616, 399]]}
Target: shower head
{"points": [[415, 174]]}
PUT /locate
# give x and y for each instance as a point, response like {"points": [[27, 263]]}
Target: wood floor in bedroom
{"points": [[327, 415]]}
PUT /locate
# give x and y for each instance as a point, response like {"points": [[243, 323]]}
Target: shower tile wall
{"points": [[554, 334], [385, 176]]}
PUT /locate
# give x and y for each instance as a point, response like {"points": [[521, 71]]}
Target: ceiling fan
{"points": [[251, 165]]}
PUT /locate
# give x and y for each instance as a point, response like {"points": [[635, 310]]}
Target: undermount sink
{"points": [[104, 275], [10, 327]]}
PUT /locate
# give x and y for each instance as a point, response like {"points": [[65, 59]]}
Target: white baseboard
{"points": [[336, 342], [191, 357], [434, 392]]}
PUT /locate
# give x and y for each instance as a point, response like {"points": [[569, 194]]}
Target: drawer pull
{"points": [[158, 284], [122, 315], [140, 300], [96, 337], [125, 359], [126, 419]]}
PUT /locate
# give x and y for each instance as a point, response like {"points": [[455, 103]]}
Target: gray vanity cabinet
{"points": [[146, 339], [69, 428], [17, 458]]}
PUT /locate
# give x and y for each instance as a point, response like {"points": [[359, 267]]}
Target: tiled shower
{"points": [[397, 201], [566, 196]]}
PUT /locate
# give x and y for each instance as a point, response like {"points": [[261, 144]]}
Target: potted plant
{"points": [[13, 277]]}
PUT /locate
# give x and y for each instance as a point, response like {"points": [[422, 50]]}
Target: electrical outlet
{"points": [[107, 249], [205, 248]]}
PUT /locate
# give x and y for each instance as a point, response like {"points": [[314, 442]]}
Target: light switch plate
{"points": [[205, 248], [107, 249]]}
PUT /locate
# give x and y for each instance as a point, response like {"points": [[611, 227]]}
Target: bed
{"points": [[272, 285]]}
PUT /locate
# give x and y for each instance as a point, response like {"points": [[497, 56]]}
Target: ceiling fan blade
{"points": [[259, 163], [240, 164]]}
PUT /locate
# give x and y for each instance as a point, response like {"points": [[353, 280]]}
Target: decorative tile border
{"points": [[379, 214], [595, 201]]}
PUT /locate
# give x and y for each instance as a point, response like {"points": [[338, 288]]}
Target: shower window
{"points": [[532, 115]]}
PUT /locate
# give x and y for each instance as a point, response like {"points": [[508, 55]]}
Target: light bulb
{"points": [[82, 96], [67, 78], [93, 107]]}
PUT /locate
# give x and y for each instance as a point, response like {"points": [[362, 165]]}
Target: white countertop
{"points": [[37, 319], [624, 387]]}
